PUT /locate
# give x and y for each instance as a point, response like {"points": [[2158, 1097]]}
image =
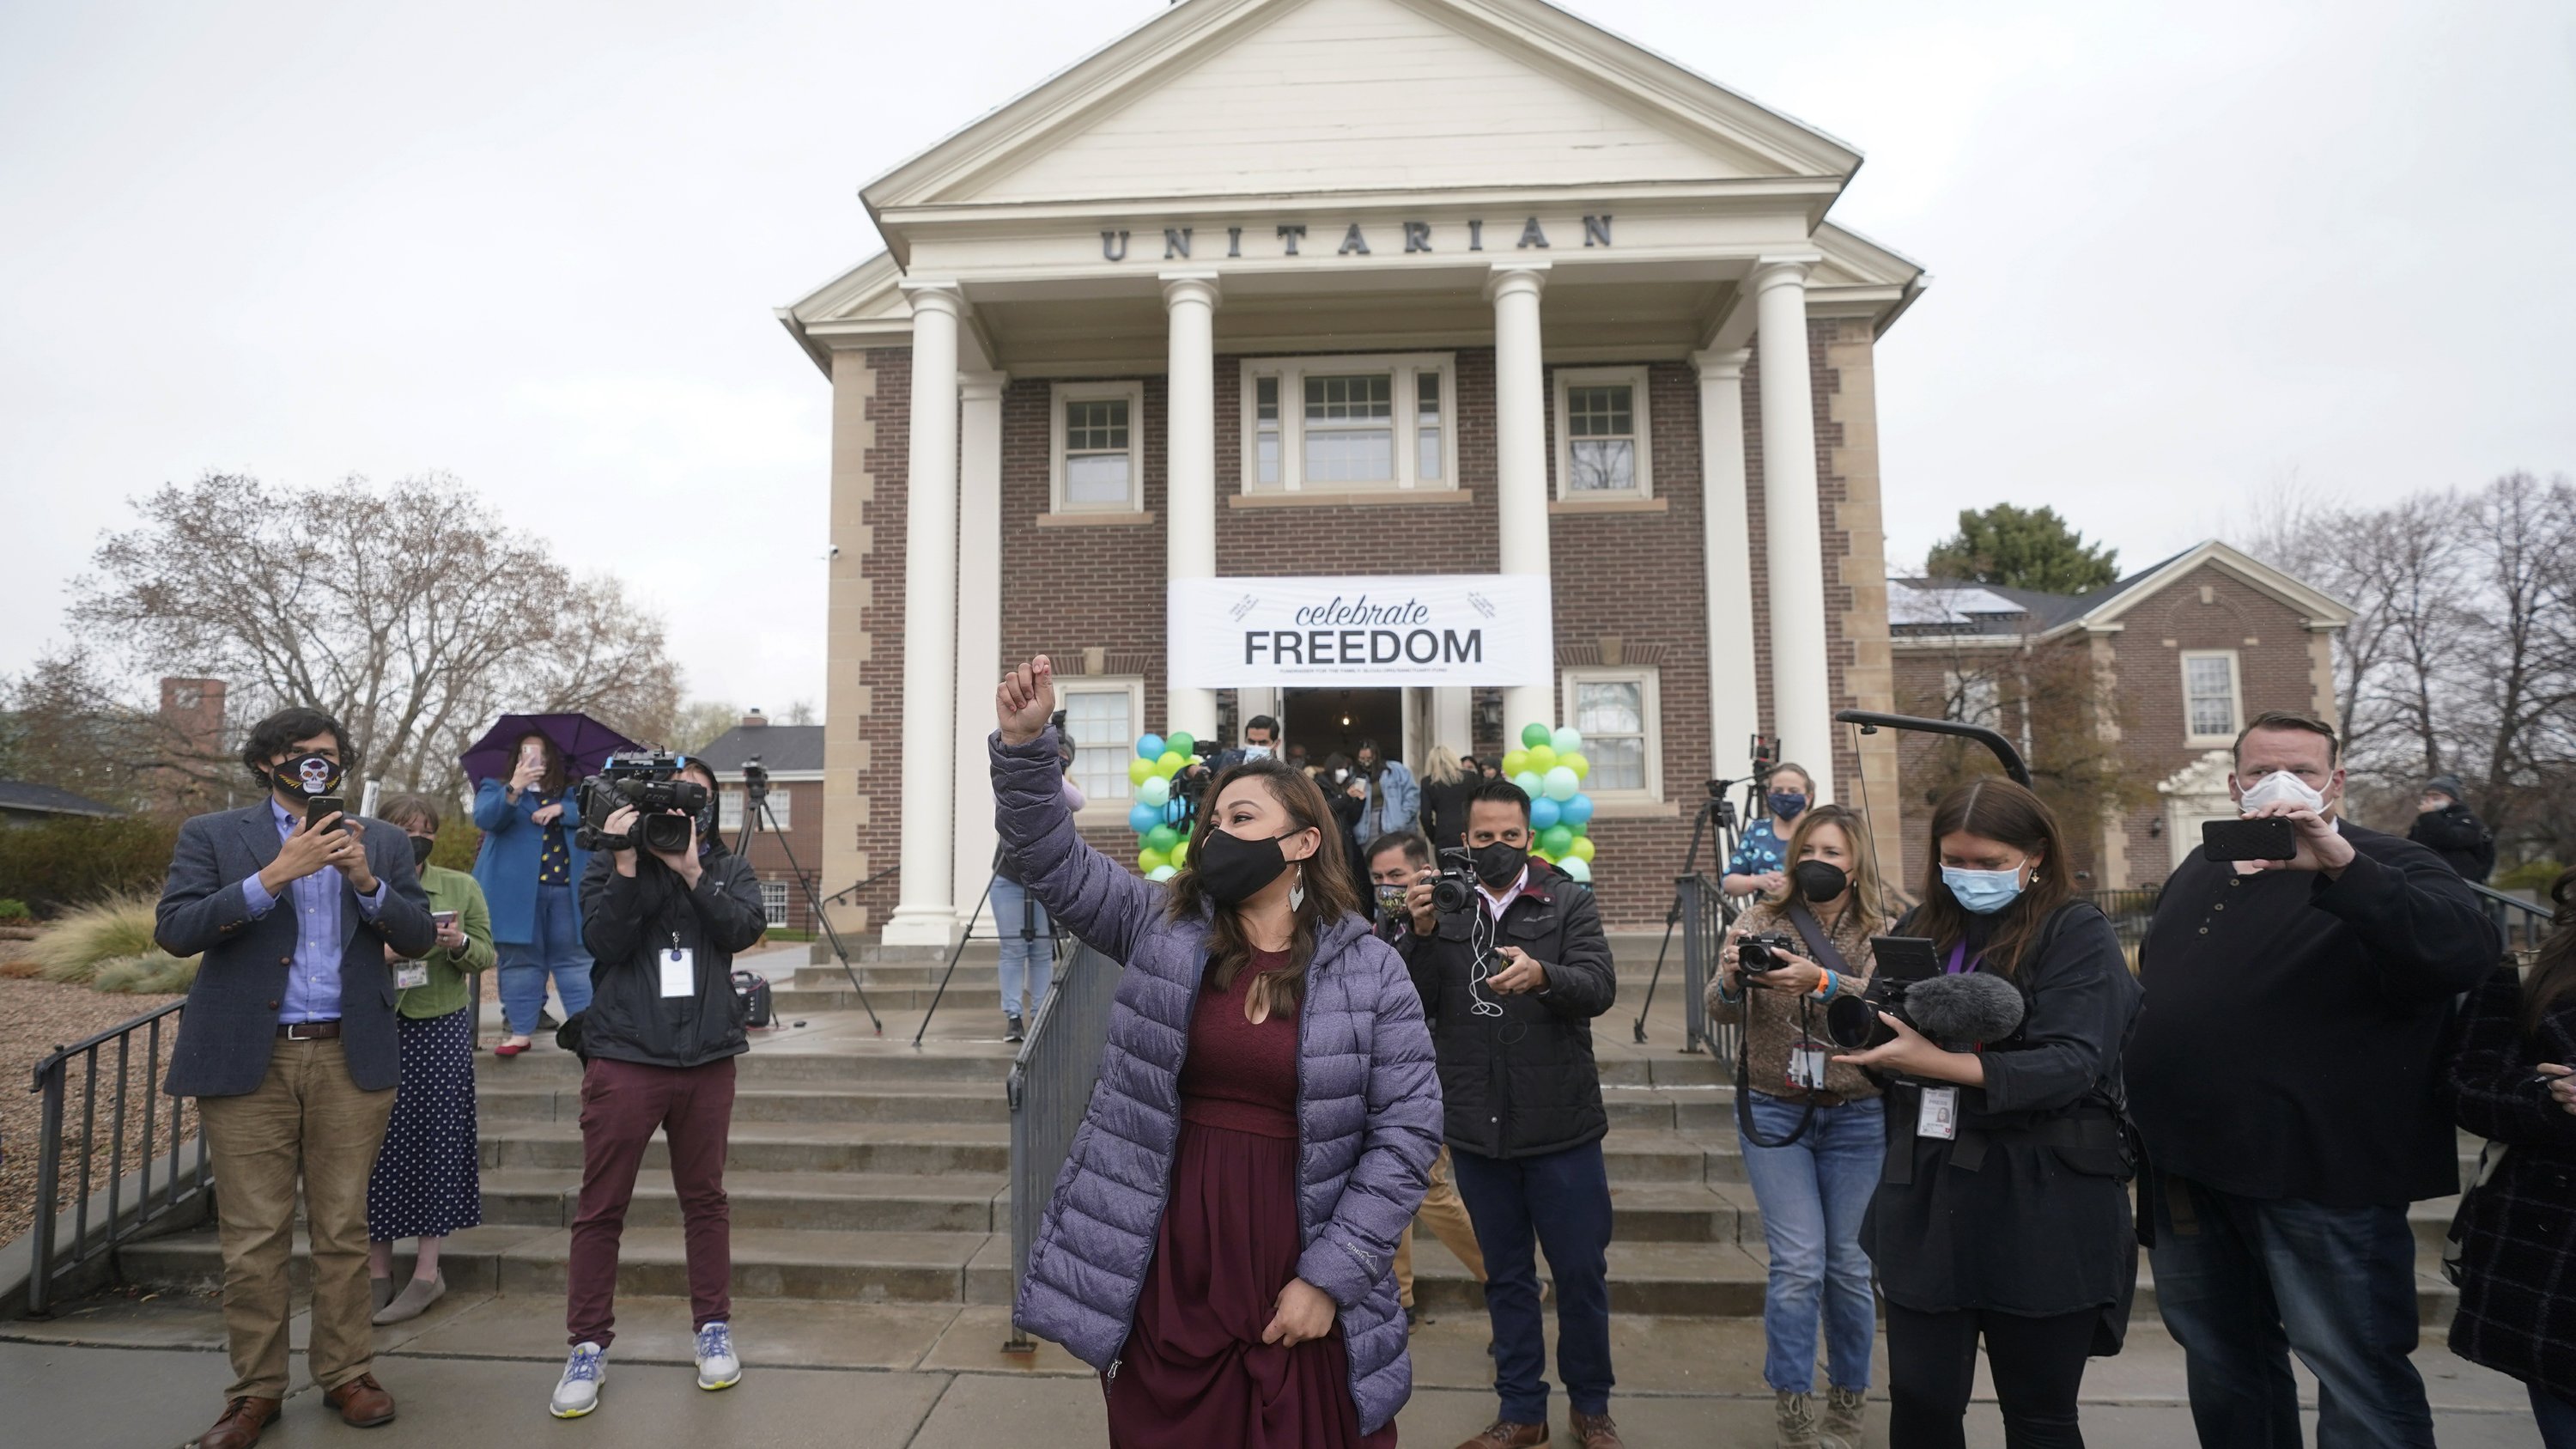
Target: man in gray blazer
{"points": [[289, 1044]]}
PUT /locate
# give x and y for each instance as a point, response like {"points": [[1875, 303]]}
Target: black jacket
{"points": [[1444, 810], [2460, 838], [2294, 1025], [2520, 1228], [629, 921], [1522, 1083]]}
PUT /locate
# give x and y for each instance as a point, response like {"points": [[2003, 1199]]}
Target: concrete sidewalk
{"points": [[477, 1370]]}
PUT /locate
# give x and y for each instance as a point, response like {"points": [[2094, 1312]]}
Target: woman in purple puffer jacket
{"points": [[1221, 1241]]}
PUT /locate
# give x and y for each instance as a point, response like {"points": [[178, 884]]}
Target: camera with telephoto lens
{"points": [[665, 805], [1852, 1021], [1455, 890], [1762, 951]]}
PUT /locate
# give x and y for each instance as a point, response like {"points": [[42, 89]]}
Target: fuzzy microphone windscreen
{"points": [[1965, 1010]]}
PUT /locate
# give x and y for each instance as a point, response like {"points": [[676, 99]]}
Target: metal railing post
{"points": [[49, 1186]]}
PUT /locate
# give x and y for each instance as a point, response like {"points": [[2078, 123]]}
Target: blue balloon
{"points": [[1174, 810], [1543, 813], [1149, 747], [1142, 817], [1577, 811]]}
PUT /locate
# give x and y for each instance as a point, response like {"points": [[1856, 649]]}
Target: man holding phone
{"points": [[288, 1043], [2282, 1076]]}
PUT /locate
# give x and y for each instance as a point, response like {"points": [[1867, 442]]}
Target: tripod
{"points": [[1028, 932], [1720, 811], [755, 810]]}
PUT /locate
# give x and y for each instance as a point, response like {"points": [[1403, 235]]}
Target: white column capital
{"points": [[981, 386], [1179, 287], [1512, 278], [1770, 272], [933, 295], [1722, 364]]}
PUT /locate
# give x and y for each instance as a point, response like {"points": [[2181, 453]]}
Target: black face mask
{"points": [[1233, 870], [1500, 863], [421, 846], [1820, 880], [306, 775]]}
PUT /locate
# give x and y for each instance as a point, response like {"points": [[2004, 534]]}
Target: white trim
{"points": [[1402, 369], [1106, 807], [2192, 738], [1632, 378], [1130, 391], [1651, 709]]}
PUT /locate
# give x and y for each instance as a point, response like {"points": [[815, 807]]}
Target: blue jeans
{"points": [[557, 951], [1813, 1194], [2248, 1282], [1028, 945], [1562, 1203], [2556, 1416]]}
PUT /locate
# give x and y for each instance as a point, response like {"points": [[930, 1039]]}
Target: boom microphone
{"points": [[1965, 1010]]}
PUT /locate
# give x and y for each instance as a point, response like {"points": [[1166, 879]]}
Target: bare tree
{"points": [[410, 612]]}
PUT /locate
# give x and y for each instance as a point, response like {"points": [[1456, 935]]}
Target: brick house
{"points": [[790, 832], [1303, 292], [2160, 669]]}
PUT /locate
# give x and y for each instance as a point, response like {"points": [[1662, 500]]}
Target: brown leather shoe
{"points": [[1595, 1431], [1504, 1434], [241, 1424], [362, 1402]]}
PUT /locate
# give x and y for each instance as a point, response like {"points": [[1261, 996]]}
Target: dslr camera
{"points": [[1455, 890], [649, 780], [1761, 951]]}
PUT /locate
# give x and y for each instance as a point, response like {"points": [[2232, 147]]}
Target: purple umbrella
{"points": [[585, 742]]}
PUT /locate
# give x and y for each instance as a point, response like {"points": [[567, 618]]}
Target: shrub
{"points": [[149, 974], [12, 909], [458, 840], [2531, 875], [74, 861], [76, 945]]}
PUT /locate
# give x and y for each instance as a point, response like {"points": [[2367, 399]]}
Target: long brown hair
{"points": [[2553, 967], [1862, 906], [552, 782], [2001, 811], [1327, 884]]}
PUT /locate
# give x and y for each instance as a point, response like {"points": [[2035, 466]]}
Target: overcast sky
{"points": [[2180, 252]]}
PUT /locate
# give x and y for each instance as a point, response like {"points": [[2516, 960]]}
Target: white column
{"points": [[979, 624], [1734, 706], [926, 912], [1520, 455], [1453, 718], [1793, 530], [1189, 466]]}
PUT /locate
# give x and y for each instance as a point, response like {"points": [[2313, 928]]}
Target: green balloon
{"points": [[1179, 742], [1535, 734], [1162, 838], [1556, 840]]}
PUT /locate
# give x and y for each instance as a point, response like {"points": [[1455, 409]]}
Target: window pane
{"points": [[1094, 479], [1095, 425], [1603, 465], [1265, 399], [1426, 386], [1104, 735], [1618, 763], [780, 797], [729, 811], [773, 902], [1610, 707], [1350, 455], [1350, 399], [1266, 452], [1599, 412], [2211, 691], [1426, 465]]}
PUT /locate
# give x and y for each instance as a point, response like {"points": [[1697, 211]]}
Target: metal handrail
{"points": [[1050, 1089], [48, 1262], [2509, 912], [845, 892], [1703, 927]]}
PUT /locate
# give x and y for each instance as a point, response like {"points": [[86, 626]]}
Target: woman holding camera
{"points": [[1761, 861], [657, 1048], [1814, 1132], [2003, 1211], [1220, 1243], [528, 867]]}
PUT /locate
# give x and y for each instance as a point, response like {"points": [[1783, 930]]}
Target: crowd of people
{"points": [[1323, 1039]]}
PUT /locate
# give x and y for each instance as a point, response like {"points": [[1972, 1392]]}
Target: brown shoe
{"points": [[362, 1402], [1595, 1431], [1504, 1434], [241, 1424]]}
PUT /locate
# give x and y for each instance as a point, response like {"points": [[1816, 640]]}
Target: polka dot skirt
{"points": [[428, 1180]]}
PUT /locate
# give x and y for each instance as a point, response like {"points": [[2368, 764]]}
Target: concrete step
{"points": [[1681, 1212], [866, 1102], [1698, 1280], [894, 1060], [1669, 1156], [826, 1201], [1692, 1109], [873, 1147], [804, 1001]]}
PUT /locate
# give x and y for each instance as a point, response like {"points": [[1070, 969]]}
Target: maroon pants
{"points": [[622, 1105]]}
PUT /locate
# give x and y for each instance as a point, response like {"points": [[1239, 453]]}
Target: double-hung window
{"points": [[1602, 446], [1101, 715], [1099, 467], [729, 807], [2210, 707], [1620, 716], [1349, 424]]}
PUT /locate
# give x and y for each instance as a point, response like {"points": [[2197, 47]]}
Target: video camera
{"points": [[665, 805], [1954, 1011], [1190, 785]]}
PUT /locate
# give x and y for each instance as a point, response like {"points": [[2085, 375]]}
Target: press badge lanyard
{"points": [[679, 969]]}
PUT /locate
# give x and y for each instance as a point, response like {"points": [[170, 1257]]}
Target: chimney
{"points": [[755, 719], [194, 710]]}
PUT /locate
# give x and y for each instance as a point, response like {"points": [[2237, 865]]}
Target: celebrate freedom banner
{"points": [[1410, 629]]}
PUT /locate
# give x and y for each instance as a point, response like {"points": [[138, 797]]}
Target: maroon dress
{"points": [[1195, 1372]]}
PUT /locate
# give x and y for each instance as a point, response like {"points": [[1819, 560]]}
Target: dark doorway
{"points": [[1331, 721]]}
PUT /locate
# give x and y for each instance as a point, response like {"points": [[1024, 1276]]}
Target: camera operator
{"points": [[1761, 861], [1818, 1131], [658, 1044], [2284, 1081], [2003, 1211], [1511, 973]]}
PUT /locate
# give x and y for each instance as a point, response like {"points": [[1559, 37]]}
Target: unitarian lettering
{"points": [[1419, 236]]}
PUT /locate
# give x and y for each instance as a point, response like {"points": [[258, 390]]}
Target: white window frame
{"points": [[774, 904], [2235, 698], [1652, 705], [1115, 802], [730, 801], [1404, 394], [1634, 379], [1132, 392]]}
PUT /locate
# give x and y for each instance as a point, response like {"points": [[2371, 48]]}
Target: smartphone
{"points": [[320, 805], [442, 919], [2270, 838], [1905, 958]]}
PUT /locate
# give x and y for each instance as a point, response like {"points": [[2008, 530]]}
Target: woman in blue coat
{"points": [[530, 868]]}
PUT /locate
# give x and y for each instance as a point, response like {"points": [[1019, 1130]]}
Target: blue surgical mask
{"points": [[1982, 892], [1787, 804]]}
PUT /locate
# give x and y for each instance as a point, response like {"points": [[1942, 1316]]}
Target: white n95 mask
{"points": [[2281, 786]]}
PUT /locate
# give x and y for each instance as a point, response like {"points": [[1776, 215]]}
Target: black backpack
{"points": [[753, 988]]}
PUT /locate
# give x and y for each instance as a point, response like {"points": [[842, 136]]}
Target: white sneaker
{"points": [[718, 1368], [577, 1392]]}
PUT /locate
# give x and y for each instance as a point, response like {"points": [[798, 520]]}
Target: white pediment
{"points": [[1287, 97]]}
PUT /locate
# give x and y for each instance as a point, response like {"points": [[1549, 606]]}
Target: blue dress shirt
{"points": [[313, 981]]}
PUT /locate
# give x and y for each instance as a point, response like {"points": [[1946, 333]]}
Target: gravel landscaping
{"points": [[35, 1018]]}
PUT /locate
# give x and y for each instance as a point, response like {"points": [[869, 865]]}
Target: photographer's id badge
{"points": [[411, 975], [1807, 1066], [1939, 1115], [679, 972]]}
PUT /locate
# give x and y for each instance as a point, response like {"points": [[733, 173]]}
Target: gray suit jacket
{"points": [[230, 1027]]}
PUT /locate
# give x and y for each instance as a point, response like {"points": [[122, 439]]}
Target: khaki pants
{"points": [[1448, 1219], [306, 1120]]}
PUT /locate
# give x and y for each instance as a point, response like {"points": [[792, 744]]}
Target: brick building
{"points": [[789, 834], [1281, 295], [2161, 669]]}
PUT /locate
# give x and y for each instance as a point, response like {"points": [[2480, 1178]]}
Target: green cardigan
{"points": [[451, 890]]}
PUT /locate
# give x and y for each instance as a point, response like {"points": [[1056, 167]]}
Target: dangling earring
{"points": [[1297, 892]]}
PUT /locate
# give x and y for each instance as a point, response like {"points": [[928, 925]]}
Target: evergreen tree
{"points": [[2022, 549]]}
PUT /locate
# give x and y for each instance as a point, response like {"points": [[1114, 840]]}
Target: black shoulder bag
{"points": [[1820, 949]]}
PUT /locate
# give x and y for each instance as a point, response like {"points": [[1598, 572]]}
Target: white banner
{"points": [[1416, 629]]}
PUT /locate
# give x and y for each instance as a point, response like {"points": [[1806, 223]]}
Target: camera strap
{"points": [[1819, 945]]}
